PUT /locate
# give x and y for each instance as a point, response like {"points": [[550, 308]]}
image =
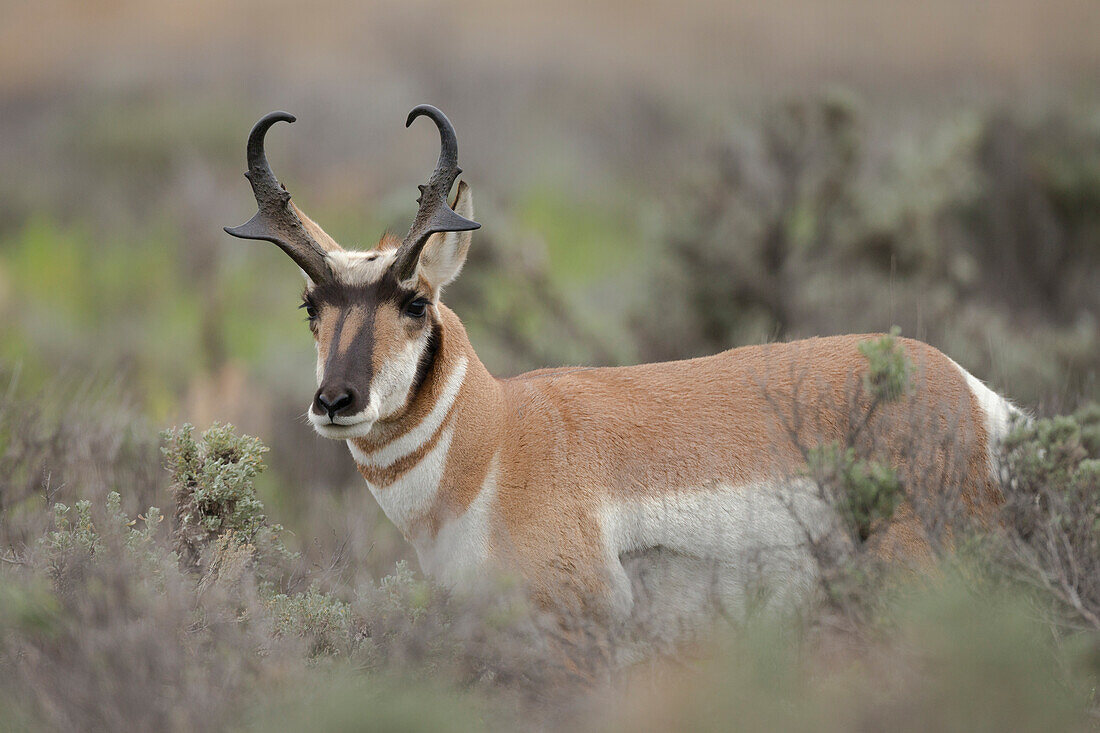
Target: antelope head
{"points": [[373, 314]]}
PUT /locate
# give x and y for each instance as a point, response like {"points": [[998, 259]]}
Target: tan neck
{"points": [[479, 415], [457, 391]]}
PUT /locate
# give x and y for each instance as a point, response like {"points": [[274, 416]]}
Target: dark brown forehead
{"points": [[341, 295]]}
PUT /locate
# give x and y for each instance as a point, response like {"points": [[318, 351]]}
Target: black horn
{"points": [[277, 220], [435, 214]]}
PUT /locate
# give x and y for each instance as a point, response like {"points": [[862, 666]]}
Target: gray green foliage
{"points": [[321, 619], [1062, 451], [866, 491], [975, 662], [805, 225], [349, 702], [213, 490], [214, 476], [75, 532], [889, 370], [1052, 506], [99, 616]]}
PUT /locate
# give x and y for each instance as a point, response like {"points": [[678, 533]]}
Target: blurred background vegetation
{"points": [[654, 180]]}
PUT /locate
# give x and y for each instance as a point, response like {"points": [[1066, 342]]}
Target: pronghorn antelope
{"points": [[600, 487]]}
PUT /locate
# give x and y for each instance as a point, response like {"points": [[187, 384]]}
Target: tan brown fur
{"points": [[384, 476], [567, 442], [314, 230], [388, 241], [388, 430], [568, 439], [355, 320], [325, 331], [391, 333]]}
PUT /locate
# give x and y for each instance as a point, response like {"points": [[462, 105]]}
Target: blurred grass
{"points": [[952, 656], [343, 702], [124, 307], [101, 626], [586, 242]]}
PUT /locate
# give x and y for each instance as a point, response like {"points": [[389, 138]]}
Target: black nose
{"points": [[333, 402]]}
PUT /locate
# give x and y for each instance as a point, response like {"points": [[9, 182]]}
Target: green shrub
{"points": [[75, 533], [213, 492], [864, 491], [77, 540], [324, 621], [1060, 451], [952, 657], [101, 628], [1052, 511], [889, 370]]}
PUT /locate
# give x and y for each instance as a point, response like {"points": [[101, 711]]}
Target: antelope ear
{"points": [[319, 235], [314, 229], [445, 253]]}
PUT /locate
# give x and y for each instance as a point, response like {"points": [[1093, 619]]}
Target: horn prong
{"points": [[435, 214], [275, 220]]}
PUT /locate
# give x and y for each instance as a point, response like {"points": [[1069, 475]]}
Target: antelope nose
{"points": [[333, 402]]}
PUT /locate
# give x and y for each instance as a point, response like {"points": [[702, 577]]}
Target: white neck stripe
{"points": [[413, 495], [411, 441]]}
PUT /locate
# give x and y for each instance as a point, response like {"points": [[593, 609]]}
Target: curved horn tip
{"points": [[424, 109], [278, 116], [259, 130]]}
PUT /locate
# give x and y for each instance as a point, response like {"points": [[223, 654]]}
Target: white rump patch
{"points": [[998, 414]]}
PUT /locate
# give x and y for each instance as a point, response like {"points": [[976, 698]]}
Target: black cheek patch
{"points": [[427, 358]]}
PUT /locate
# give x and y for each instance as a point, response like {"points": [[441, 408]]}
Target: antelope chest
{"points": [[451, 547]]}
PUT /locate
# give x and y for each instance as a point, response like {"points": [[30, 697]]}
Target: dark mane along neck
{"points": [[427, 361]]}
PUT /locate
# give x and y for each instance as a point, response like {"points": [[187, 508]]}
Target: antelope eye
{"points": [[417, 308], [311, 312]]}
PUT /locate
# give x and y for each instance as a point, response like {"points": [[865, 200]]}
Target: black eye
{"points": [[311, 312], [416, 308]]}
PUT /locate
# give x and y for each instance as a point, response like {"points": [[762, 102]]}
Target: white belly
{"points": [[679, 561]]}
